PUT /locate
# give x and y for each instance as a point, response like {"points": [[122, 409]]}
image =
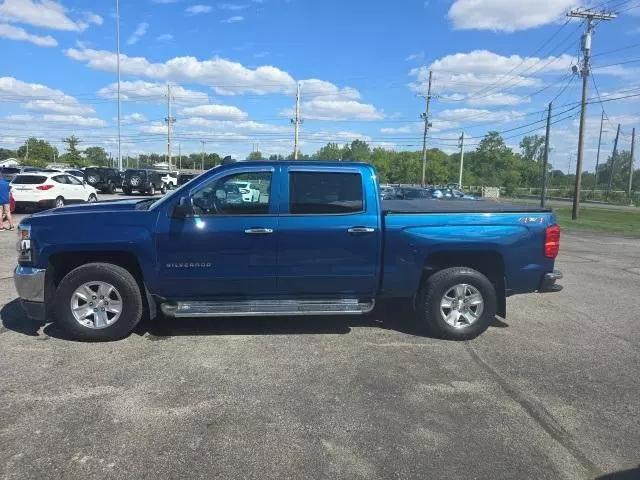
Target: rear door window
{"points": [[317, 193]]}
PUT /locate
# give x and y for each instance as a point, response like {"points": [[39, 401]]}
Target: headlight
{"points": [[24, 244]]}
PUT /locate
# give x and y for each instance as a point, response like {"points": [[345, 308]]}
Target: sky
{"points": [[362, 66]]}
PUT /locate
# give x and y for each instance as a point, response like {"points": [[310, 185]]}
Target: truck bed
{"points": [[428, 205]]}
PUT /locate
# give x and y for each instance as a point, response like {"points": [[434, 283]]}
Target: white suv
{"points": [[50, 189], [248, 191]]}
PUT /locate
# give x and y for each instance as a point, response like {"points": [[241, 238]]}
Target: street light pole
{"points": [[118, 69]]}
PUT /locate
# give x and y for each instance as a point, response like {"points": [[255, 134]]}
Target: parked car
{"points": [[170, 180], [449, 193], [322, 243], [103, 178], [387, 192], [143, 181], [9, 173], [185, 177], [45, 190], [249, 192], [411, 193]]}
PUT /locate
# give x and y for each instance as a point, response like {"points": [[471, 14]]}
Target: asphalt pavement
{"points": [[552, 392]]}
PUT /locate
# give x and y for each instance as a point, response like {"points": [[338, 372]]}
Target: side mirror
{"points": [[184, 208]]}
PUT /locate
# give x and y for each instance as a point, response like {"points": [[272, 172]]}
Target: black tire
{"points": [[163, 189], [111, 189], [58, 202], [437, 286], [117, 276], [152, 190], [126, 190], [92, 198]]}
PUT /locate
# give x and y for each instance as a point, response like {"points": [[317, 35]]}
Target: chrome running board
{"points": [[254, 308]]}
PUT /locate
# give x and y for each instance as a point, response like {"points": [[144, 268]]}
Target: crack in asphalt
{"points": [[539, 414]]}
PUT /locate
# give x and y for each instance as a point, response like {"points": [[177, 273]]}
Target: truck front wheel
{"points": [[98, 302], [456, 303]]}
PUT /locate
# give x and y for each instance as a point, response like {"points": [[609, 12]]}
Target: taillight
{"points": [[244, 190], [551, 241], [44, 187]]}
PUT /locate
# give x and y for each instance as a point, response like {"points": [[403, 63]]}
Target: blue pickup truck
{"points": [[281, 238]]}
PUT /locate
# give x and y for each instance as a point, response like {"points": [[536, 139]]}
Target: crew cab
{"points": [[318, 241]]}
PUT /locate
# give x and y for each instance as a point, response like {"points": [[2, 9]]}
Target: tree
{"points": [[40, 153], [72, 157], [5, 153], [358, 151], [331, 151], [96, 156], [257, 155], [532, 147], [277, 157]]}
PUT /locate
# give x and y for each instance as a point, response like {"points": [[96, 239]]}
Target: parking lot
{"points": [[552, 392]]}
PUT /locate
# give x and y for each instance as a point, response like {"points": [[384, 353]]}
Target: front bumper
{"points": [[549, 280], [29, 283]]}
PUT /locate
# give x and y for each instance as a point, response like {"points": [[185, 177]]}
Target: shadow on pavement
{"points": [[632, 474], [393, 316], [14, 318]]}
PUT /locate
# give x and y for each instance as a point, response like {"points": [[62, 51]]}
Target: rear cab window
{"points": [[325, 193]]}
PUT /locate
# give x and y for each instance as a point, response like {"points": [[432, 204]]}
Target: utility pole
{"points": [[589, 16], [202, 142], [633, 145], [296, 123], [461, 145], [27, 156], [595, 185], [179, 156], [118, 69], [170, 121], [613, 162], [425, 117], [545, 161]]}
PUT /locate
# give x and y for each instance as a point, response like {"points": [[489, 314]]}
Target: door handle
{"points": [[361, 230], [258, 231]]}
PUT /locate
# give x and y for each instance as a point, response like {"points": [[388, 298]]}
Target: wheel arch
{"points": [[61, 263], [488, 262]]}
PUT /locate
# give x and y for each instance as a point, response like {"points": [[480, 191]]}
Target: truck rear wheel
{"points": [[98, 302], [456, 303]]}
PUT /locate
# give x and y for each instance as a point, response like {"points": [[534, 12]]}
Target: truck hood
{"points": [[97, 207]]}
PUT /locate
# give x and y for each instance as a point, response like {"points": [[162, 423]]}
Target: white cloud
{"points": [[321, 109], [45, 13], [232, 6], [198, 9], [234, 19], [498, 99], [222, 112], [478, 115], [52, 106], [476, 76], [152, 92], [40, 98], [134, 118], [506, 15], [414, 56], [76, 120], [140, 31], [165, 37], [17, 33], [315, 88], [225, 76]]}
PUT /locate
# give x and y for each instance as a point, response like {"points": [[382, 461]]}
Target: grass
{"points": [[600, 220]]}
